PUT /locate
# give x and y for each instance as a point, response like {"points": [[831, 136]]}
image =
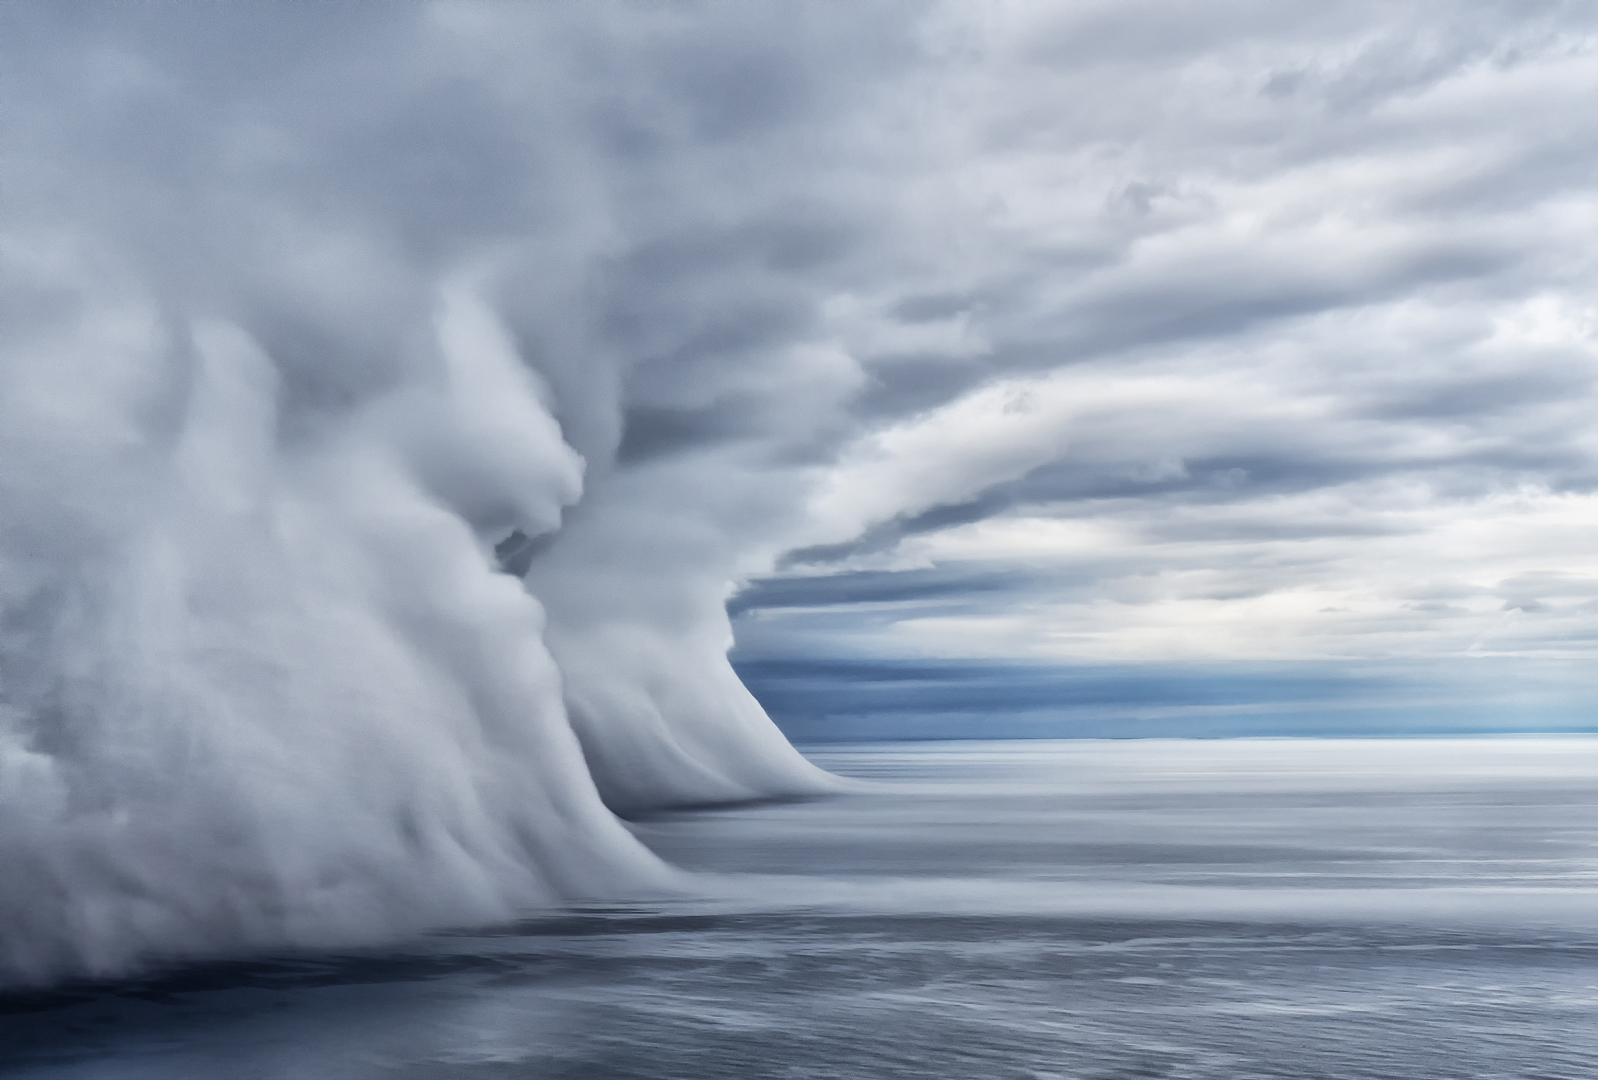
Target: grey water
{"points": [[1154, 908]]}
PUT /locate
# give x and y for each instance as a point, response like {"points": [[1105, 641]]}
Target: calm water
{"points": [[1238, 909]]}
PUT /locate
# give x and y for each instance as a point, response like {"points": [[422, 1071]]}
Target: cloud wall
{"points": [[310, 317]]}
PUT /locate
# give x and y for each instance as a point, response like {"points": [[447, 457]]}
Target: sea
{"points": [[1194, 909]]}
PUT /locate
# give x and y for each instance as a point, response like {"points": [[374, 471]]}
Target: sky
{"points": [[429, 430], [1107, 367], [1239, 380]]}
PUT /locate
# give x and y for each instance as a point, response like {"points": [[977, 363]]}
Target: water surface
{"points": [[1159, 908]]}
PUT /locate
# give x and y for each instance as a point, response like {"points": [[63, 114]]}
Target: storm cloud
{"points": [[396, 396]]}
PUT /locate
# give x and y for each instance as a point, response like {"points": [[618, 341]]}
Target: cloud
{"points": [[312, 316], [1101, 335], [1283, 330]]}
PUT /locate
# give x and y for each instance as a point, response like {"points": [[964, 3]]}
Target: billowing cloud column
{"points": [[262, 690], [298, 336]]}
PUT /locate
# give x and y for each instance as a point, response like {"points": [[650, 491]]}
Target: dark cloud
{"points": [[913, 384], [874, 587], [1488, 396]]}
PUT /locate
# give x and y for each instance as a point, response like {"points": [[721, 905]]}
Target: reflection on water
{"points": [[1139, 909]]}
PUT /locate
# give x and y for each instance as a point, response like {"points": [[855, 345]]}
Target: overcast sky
{"points": [[1106, 366], [1250, 338]]}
